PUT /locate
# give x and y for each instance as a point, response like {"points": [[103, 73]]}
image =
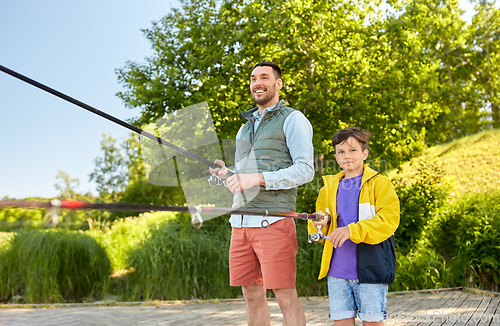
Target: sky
{"points": [[74, 47]]}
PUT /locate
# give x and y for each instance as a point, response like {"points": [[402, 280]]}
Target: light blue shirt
{"points": [[298, 133]]}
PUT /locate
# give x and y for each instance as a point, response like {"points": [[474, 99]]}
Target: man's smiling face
{"points": [[264, 86]]}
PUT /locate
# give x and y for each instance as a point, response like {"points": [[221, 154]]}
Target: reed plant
{"points": [[179, 262], [122, 235], [53, 266]]}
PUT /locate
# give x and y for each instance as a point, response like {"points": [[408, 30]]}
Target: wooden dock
{"points": [[446, 307]]}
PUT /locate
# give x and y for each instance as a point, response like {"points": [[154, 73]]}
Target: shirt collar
{"points": [[257, 115]]}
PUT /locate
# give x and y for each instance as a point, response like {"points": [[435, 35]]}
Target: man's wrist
{"points": [[262, 181]]}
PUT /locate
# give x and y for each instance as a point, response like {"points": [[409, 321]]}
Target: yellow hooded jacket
{"points": [[378, 219]]}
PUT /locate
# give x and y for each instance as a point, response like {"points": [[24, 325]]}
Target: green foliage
{"points": [[308, 265], [72, 219], [467, 233], [485, 58], [419, 201], [421, 268], [52, 266], [19, 218], [124, 234], [110, 171], [176, 261], [5, 238], [179, 262], [469, 164], [410, 75]]}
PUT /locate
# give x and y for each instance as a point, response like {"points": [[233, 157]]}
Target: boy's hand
{"points": [[339, 236], [325, 218]]}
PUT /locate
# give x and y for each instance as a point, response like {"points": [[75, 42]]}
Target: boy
{"points": [[358, 257]]}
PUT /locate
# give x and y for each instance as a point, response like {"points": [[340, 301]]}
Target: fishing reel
{"points": [[215, 181], [316, 236]]}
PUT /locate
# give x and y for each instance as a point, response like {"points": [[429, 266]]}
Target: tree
{"points": [[405, 76], [66, 185], [110, 172], [486, 57]]}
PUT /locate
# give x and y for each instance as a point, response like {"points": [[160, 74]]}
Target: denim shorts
{"points": [[349, 298]]}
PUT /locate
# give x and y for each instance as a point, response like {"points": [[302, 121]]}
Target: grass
{"points": [[121, 236], [52, 266], [5, 238], [471, 164]]}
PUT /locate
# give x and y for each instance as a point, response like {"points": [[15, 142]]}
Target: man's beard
{"points": [[263, 100]]}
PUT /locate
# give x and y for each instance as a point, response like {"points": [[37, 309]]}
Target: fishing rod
{"points": [[195, 211], [122, 123]]}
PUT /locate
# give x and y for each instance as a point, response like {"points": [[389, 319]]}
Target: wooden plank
{"points": [[403, 301], [449, 308], [495, 316], [438, 313], [426, 315], [419, 305], [468, 312], [459, 317], [479, 313]]}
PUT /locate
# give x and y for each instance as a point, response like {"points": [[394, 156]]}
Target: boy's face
{"points": [[350, 157]]}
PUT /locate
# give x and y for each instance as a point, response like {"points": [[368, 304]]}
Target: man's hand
{"points": [[339, 236], [325, 218], [221, 172], [239, 182]]}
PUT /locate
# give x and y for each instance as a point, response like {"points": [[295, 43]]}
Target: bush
{"points": [[179, 262], [421, 268], [52, 266], [419, 201], [467, 233], [12, 219], [122, 235]]}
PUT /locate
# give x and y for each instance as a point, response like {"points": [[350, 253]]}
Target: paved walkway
{"points": [[446, 307]]}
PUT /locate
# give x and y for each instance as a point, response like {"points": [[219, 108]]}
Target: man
{"points": [[281, 140]]}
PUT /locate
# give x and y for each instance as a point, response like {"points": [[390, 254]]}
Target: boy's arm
{"points": [[381, 226], [320, 206]]}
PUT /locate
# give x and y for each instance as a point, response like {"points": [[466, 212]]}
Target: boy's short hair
{"points": [[360, 135], [276, 68]]}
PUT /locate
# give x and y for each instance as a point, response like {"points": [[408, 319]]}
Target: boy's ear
{"points": [[365, 154]]}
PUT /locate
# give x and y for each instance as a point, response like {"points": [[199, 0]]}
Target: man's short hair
{"points": [[360, 135], [276, 68]]}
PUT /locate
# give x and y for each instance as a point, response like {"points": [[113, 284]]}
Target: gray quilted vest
{"points": [[271, 154]]}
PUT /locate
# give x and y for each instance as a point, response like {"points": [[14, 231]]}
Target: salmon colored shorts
{"points": [[264, 256]]}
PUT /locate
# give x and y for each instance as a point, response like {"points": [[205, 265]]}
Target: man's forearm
{"points": [[291, 177]]}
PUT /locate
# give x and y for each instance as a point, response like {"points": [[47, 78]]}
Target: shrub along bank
{"points": [[53, 266]]}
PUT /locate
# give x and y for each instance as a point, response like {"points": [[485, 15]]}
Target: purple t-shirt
{"points": [[343, 263]]}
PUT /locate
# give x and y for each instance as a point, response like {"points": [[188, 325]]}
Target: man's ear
{"points": [[279, 84]]}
